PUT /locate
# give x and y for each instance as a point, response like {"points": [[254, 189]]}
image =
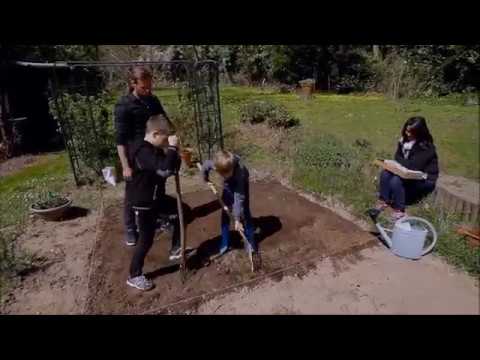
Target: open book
{"points": [[403, 172]]}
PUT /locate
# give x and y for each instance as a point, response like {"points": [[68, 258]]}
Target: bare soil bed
{"points": [[289, 228], [58, 284]]}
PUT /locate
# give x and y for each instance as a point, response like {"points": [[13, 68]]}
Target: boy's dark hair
{"points": [[417, 125], [137, 73], [159, 123]]}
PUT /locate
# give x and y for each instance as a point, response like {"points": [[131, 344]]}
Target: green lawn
{"points": [[455, 127], [17, 191], [377, 119]]}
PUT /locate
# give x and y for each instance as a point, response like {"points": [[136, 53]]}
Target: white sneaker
{"points": [[140, 283]]}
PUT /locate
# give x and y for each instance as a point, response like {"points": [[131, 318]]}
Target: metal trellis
{"points": [[89, 79]]}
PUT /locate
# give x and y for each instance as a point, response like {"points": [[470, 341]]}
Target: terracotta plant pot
{"points": [[186, 155], [52, 214]]}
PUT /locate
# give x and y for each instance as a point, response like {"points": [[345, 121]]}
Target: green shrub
{"points": [[276, 116], [326, 165], [87, 127], [13, 261], [183, 117]]}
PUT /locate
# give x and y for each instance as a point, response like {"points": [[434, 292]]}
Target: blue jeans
{"points": [[400, 192], [228, 198]]}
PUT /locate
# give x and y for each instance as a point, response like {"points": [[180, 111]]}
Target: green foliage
{"points": [[451, 68], [183, 117], [85, 120], [428, 70], [53, 52], [19, 190], [326, 165], [400, 71], [47, 200], [276, 116], [13, 261], [450, 245]]}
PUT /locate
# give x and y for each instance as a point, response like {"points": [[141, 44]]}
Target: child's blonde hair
{"points": [[159, 123], [223, 162]]}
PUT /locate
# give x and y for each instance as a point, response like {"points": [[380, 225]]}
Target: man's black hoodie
{"points": [[131, 115]]}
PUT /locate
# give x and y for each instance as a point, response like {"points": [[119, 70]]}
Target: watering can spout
{"points": [[384, 235]]}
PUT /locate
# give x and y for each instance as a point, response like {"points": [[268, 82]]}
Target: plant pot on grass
{"points": [[53, 208]]}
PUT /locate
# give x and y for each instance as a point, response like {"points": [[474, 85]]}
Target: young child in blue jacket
{"points": [[236, 196]]}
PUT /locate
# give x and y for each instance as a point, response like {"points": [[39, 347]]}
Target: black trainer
{"points": [[373, 213], [131, 237]]}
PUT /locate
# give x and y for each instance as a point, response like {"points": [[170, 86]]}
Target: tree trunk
{"points": [[377, 55], [195, 52]]}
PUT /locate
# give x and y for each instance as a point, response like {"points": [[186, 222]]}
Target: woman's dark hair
{"points": [[137, 73], [417, 125]]}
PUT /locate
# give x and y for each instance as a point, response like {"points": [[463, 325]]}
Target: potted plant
{"points": [[186, 156], [51, 206]]}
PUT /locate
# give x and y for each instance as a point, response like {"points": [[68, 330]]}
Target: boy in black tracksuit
{"points": [[154, 159]]}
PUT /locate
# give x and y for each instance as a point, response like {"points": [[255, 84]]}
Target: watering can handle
{"points": [[431, 228]]}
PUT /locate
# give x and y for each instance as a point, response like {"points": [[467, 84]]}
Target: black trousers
{"points": [[128, 212], [400, 192], [146, 223]]}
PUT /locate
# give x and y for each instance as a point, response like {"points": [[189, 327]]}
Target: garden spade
{"points": [[183, 262]]}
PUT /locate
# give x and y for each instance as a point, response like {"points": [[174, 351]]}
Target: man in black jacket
{"points": [[131, 114], [155, 157]]}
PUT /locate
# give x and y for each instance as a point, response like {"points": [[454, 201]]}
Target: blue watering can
{"points": [[408, 237]]}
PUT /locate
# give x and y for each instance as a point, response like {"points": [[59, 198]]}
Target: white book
{"points": [[402, 171]]}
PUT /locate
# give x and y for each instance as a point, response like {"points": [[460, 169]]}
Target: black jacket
{"points": [[131, 115], [151, 168], [422, 157]]}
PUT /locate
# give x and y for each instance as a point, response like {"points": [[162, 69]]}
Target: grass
{"points": [[452, 246], [455, 127], [350, 117], [326, 165], [17, 192], [339, 136]]}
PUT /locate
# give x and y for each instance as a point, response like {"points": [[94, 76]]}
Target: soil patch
{"points": [[289, 228], [58, 285], [11, 166]]}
